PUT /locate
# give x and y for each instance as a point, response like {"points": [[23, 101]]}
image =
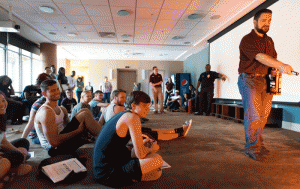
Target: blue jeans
{"points": [[167, 95], [78, 95], [257, 104], [106, 97]]}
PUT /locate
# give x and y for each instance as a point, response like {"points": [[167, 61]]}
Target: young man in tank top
{"points": [[57, 134]]}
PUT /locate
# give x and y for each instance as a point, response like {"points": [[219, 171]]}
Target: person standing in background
{"points": [[137, 86], [79, 88], [156, 81], [106, 88], [53, 72], [62, 82], [72, 80], [169, 88], [89, 88]]}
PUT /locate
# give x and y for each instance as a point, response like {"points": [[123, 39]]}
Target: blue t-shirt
{"points": [[80, 84], [78, 107]]}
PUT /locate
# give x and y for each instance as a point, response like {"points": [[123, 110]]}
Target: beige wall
{"points": [[100, 68]]}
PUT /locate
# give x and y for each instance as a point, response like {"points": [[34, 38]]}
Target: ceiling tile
{"points": [[180, 32], [80, 20], [145, 23], [85, 28], [44, 26], [168, 14], [102, 11], [93, 2], [141, 41], [105, 21], [101, 28], [142, 36], [202, 14], [64, 27], [121, 3], [143, 30], [126, 21], [31, 18], [185, 24], [147, 13], [176, 4], [165, 23], [38, 1], [115, 10], [150, 3], [90, 35], [36, 6], [204, 5], [125, 30], [69, 9], [56, 19], [68, 1]]}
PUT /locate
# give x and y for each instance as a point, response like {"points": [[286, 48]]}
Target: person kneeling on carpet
{"points": [[174, 102]]}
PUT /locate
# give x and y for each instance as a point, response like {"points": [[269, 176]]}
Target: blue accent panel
{"points": [[195, 64]]}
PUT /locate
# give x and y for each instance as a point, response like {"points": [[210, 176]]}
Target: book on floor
{"points": [[61, 170]]}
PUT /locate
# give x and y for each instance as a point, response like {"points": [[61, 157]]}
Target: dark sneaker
{"points": [[252, 155], [264, 151]]}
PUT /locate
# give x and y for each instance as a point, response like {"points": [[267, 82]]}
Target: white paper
{"points": [[59, 171], [165, 165]]}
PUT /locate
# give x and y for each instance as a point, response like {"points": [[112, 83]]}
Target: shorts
{"points": [[71, 145], [123, 175]]}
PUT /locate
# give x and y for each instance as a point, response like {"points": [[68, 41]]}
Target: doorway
{"points": [[125, 80]]}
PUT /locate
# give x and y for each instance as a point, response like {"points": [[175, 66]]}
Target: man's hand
{"points": [[286, 69]]}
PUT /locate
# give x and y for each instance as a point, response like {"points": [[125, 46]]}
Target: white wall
{"points": [[284, 30], [100, 68]]}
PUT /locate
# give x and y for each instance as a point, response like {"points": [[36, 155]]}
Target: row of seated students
{"points": [[118, 133]]}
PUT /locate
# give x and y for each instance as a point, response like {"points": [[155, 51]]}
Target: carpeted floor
{"points": [[210, 156]]}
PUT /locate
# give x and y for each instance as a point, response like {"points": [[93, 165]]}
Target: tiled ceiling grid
{"points": [[149, 22]]}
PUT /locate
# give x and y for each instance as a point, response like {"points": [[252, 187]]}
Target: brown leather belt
{"points": [[255, 75]]}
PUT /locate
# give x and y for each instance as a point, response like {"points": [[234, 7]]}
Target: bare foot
{"points": [[23, 169], [5, 166], [186, 128]]}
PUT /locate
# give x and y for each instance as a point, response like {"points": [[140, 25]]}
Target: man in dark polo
{"points": [[206, 94], [156, 81], [257, 55]]}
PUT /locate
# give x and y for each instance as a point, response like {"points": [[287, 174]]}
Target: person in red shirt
{"points": [[257, 55]]}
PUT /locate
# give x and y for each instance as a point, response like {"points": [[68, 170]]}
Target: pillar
{"points": [[48, 54]]}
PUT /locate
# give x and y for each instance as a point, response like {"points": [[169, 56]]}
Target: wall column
{"points": [[48, 54]]}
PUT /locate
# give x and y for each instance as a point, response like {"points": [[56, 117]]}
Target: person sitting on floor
{"points": [[15, 109], [117, 105], [58, 135], [13, 155], [97, 105], [30, 95], [86, 97], [114, 164], [186, 102], [174, 103], [69, 102]]}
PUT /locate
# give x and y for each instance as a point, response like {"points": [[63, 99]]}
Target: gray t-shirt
{"points": [[78, 107]]}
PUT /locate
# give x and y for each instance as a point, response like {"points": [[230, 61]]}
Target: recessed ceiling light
{"points": [[123, 13], [177, 37], [52, 33], [46, 9], [193, 16], [215, 17], [124, 36], [72, 34]]}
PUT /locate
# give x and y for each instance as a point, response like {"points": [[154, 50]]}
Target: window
{"points": [[13, 70], [2, 60], [26, 71], [36, 69]]}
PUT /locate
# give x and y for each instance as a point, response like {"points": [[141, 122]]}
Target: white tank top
{"points": [[109, 112], [59, 122]]}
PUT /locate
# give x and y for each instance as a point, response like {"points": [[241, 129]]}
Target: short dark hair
{"points": [[98, 92], [52, 66], [258, 13], [154, 67], [47, 83], [47, 68], [136, 97], [60, 70], [116, 93]]}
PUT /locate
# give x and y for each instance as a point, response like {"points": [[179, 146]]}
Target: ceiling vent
{"points": [[107, 34]]}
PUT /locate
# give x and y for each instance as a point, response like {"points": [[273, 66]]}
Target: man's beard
{"points": [[119, 103], [260, 30]]}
